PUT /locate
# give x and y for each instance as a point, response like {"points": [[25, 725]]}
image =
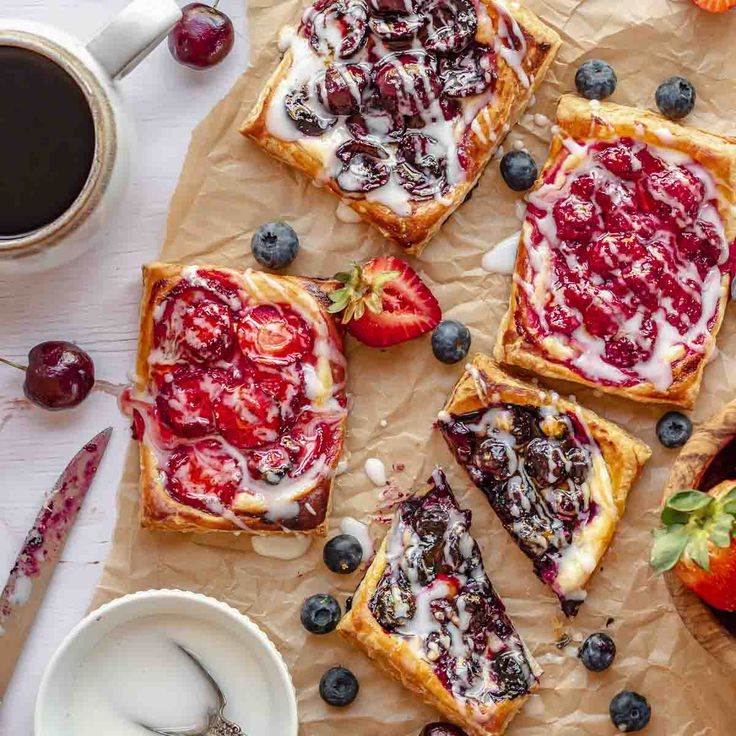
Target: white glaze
{"points": [[282, 547], [347, 214], [359, 530], [376, 471], [502, 257]]}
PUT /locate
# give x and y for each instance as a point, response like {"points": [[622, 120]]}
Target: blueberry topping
{"points": [[450, 341], [545, 461], [275, 245], [338, 687], [629, 711], [519, 170], [674, 429], [342, 554], [597, 652], [595, 79], [496, 458], [442, 729], [320, 613], [675, 98]]}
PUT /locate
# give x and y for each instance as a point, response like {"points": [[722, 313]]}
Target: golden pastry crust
{"points": [[484, 383], [158, 510], [579, 119], [396, 658], [490, 126]]}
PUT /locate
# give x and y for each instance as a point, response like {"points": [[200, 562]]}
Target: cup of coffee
{"points": [[63, 132]]}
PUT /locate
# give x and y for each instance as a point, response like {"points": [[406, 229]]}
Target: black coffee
{"points": [[47, 141]]}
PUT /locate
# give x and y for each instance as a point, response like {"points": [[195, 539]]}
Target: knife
{"points": [[41, 550]]}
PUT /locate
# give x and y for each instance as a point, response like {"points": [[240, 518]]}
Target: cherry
{"points": [[185, 401], [398, 7], [407, 81], [395, 28], [59, 375], [376, 122], [246, 416], [338, 27], [307, 120], [365, 166], [203, 475], [203, 37], [273, 335], [341, 87], [470, 73], [451, 26]]}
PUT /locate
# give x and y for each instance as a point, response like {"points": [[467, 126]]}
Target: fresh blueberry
{"points": [[450, 341], [519, 170], [595, 79], [338, 687], [675, 98], [275, 245], [674, 429], [442, 729], [597, 652], [629, 711], [320, 614], [342, 554]]}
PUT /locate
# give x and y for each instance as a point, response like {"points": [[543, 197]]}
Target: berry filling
{"points": [[364, 166], [185, 400], [436, 596], [307, 119], [247, 416], [338, 27], [341, 88], [273, 335], [638, 253], [407, 82], [534, 465], [450, 26]]}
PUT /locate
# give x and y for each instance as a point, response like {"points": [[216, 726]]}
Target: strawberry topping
{"points": [[273, 335], [246, 416], [185, 400]]}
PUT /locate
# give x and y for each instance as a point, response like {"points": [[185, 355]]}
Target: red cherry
{"points": [[338, 27], [341, 87], [185, 401], [202, 38], [246, 416], [203, 475], [407, 82], [272, 335]]}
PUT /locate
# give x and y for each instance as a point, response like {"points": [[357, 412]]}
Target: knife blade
{"points": [[34, 566]]}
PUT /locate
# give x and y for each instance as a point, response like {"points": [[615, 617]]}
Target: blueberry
{"points": [[442, 729], [675, 98], [338, 687], [450, 341], [320, 614], [674, 429], [595, 79], [597, 652], [342, 554], [519, 170], [274, 245], [629, 711]]}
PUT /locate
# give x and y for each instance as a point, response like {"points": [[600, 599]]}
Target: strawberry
{"points": [[715, 6], [698, 541], [384, 302]]}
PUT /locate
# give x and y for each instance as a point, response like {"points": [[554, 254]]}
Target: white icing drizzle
{"points": [[359, 530], [376, 471], [502, 257], [282, 547]]}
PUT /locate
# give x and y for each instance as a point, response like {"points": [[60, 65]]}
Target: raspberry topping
{"points": [[637, 250], [273, 335]]}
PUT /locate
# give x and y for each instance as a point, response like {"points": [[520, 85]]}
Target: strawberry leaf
{"points": [[669, 544], [670, 516], [697, 550], [690, 500], [730, 508], [721, 530]]}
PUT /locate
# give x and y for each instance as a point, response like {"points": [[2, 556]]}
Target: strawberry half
{"points": [[715, 6], [384, 302], [698, 541]]}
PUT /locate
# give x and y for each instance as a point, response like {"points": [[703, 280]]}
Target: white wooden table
{"points": [[92, 302]]}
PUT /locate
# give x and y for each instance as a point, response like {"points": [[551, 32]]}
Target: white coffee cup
{"points": [[95, 67]]}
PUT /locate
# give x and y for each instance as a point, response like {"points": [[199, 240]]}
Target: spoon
{"points": [[217, 724]]}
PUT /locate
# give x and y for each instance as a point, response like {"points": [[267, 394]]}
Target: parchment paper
{"points": [[229, 187]]}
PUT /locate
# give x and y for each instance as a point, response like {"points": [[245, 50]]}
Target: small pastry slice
{"points": [[427, 613], [557, 475]]}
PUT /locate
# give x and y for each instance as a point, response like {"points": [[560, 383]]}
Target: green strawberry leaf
{"points": [[697, 549], [730, 508], [670, 516], [721, 530], [690, 500], [730, 497], [669, 544], [342, 276]]}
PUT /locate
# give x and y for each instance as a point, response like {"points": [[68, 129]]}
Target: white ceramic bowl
{"points": [[54, 697]]}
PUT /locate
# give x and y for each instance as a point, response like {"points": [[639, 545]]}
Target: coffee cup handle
{"points": [[133, 34]]}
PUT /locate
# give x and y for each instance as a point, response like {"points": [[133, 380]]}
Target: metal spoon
{"points": [[217, 724]]}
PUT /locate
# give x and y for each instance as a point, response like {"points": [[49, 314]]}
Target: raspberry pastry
{"points": [[238, 401], [556, 475], [396, 106], [625, 256], [427, 613]]}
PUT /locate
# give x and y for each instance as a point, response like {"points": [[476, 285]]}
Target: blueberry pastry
{"points": [[427, 613], [238, 401], [396, 106], [557, 475], [625, 256]]}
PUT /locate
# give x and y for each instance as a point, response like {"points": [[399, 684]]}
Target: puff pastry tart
{"points": [[625, 256], [396, 106], [238, 401], [427, 613], [556, 475]]}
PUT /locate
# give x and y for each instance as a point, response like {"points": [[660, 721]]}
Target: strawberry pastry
{"points": [[396, 106], [238, 402], [626, 255]]}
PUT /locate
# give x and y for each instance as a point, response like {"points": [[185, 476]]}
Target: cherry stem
{"points": [[13, 364]]}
